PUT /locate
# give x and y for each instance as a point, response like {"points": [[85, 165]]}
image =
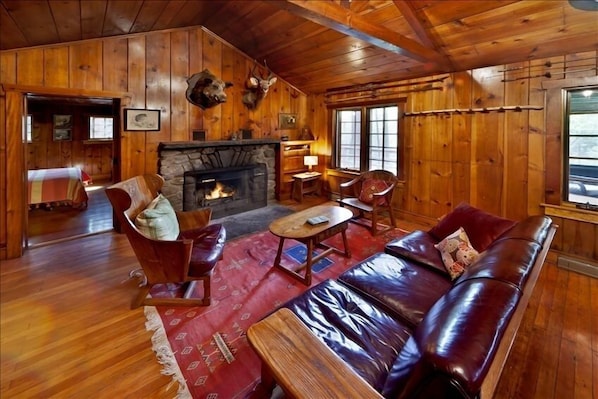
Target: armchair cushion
{"points": [[208, 244], [371, 186], [158, 220]]}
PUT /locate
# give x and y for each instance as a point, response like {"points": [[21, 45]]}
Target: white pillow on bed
{"points": [[158, 220]]}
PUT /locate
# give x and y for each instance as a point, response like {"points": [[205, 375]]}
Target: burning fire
{"points": [[220, 191]]}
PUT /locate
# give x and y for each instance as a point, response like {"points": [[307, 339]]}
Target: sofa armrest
{"points": [[189, 220], [301, 364]]}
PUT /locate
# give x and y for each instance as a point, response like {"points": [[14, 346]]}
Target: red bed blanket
{"points": [[59, 185]]}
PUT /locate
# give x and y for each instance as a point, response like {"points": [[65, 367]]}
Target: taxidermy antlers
{"points": [[205, 90], [257, 87]]}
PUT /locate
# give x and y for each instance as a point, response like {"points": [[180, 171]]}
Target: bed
{"points": [[58, 186]]}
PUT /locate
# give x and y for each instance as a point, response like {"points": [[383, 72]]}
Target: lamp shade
{"points": [[310, 160]]}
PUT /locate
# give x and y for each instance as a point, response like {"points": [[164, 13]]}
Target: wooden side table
{"points": [[306, 183]]}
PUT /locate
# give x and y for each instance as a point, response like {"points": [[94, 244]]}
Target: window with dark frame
{"points": [[367, 137], [101, 128], [581, 147]]}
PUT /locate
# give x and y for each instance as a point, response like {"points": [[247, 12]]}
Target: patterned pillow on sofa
{"points": [[457, 253], [369, 187]]}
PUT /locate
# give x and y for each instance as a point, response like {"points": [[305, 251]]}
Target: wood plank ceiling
{"points": [[321, 45]]}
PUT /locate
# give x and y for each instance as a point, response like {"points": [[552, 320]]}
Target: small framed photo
{"points": [[63, 127], [287, 121], [142, 119], [62, 135], [63, 122]]}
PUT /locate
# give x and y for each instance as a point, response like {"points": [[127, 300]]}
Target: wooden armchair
{"points": [[188, 258], [370, 193]]}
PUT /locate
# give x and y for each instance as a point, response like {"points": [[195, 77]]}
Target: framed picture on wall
{"points": [[63, 127], [62, 135], [287, 121], [142, 119]]}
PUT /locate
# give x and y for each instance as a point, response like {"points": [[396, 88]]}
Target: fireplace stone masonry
{"points": [[176, 158]]}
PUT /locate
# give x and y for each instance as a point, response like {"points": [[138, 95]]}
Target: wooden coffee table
{"points": [[295, 227]]}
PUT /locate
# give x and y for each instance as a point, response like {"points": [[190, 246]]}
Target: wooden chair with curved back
{"points": [[370, 193], [189, 258]]}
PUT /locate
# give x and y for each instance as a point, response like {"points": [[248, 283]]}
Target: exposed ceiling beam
{"points": [[418, 23], [408, 11], [335, 17]]}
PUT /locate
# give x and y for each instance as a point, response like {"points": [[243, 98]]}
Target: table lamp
{"points": [[309, 161]]}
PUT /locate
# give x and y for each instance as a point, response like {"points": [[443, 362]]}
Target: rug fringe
{"points": [[164, 352]]}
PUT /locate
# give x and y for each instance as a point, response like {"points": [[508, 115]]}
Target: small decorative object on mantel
{"points": [[306, 134], [199, 135], [205, 90], [246, 134]]}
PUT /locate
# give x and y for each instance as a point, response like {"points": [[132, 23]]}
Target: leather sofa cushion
{"points": [[401, 286], [534, 228], [364, 336], [481, 227], [418, 246], [509, 261], [448, 354]]}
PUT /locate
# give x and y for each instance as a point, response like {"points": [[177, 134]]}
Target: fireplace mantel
{"points": [[188, 145]]}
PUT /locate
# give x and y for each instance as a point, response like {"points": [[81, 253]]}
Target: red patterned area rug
{"points": [[205, 349]]}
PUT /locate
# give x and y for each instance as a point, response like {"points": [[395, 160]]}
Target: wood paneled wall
{"points": [[144, 71], [95, 158], [494, 160]]}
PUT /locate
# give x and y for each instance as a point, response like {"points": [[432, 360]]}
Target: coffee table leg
{"points": [[308, 261], [279, 253], [347, 250]]}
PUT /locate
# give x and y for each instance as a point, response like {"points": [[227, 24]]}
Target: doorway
{"points": [[77, 147]]}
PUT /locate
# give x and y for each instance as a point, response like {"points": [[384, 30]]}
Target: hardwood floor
{"points": [[64, 222], [66, 329]]}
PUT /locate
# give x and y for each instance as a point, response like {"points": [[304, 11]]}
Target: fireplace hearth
{"points": [[226, 191]]}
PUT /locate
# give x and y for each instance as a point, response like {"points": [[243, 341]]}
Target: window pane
{"points": [[29, 128], [349, 133], [583, 147], [384, 138], [100, 128], [581, 160]]}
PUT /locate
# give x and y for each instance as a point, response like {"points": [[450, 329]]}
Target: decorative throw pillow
{"points": [[457, 253], [369, 187], [158, 220]]}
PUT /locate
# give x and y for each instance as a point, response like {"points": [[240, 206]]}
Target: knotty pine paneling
{"points": [[498, 161], [133, 144], [148, 71]]}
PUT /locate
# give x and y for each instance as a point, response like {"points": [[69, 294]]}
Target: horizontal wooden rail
{"points": [[516, 108]]}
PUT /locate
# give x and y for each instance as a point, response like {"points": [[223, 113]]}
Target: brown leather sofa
{"points": [[408, 330]]}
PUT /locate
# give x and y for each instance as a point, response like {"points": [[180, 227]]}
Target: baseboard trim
{"points": [[579, 266]]}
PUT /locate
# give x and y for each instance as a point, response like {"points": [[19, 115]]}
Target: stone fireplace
{"points": [[226, 190], [228, 176]]}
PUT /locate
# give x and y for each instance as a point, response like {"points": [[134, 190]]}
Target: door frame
{"points": [[13, 225]]}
